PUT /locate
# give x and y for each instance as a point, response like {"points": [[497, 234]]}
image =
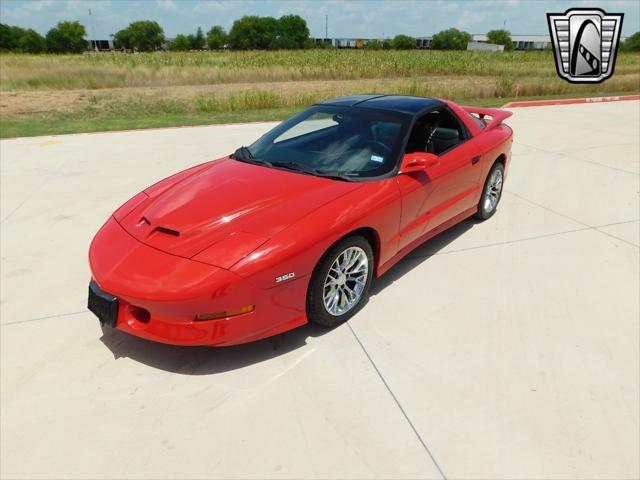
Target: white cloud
{"points": [[166, 4], [365, 18]]}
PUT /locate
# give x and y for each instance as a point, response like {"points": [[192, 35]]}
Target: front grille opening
{"points": [[140, 314]]}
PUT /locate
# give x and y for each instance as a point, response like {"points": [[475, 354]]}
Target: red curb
{"points": [[570, 101]]}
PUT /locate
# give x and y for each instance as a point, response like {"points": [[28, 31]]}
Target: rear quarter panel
{"points": [[494, 143]]}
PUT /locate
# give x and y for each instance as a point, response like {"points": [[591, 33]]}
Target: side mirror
{"points": [[418, 161]]}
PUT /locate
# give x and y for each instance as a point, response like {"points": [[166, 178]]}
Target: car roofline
{"points": [[360, 102]]}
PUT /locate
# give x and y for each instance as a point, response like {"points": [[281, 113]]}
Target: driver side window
{"points": [[436, 132]]}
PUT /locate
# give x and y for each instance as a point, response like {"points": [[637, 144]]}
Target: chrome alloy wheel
{"points": [[493, 191], [345, 281]]}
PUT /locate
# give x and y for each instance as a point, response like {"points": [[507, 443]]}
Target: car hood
{"points": [[234, 204]]}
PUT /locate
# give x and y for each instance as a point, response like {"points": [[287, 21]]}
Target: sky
{"points": [[356, 18]]}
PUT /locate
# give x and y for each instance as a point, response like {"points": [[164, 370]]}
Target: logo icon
{"points": [[585, 43]]}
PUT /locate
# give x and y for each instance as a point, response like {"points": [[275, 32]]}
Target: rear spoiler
{"points": [[497, 115]]}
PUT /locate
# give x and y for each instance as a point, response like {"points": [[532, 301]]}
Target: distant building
{"points": [[100, 45], [423, 42], [349, 42], [484, 47], [520, 42]]}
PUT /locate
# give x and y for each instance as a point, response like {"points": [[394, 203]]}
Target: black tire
{"points": [[316, 310], [484, 211]]}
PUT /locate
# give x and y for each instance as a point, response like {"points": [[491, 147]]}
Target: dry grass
{"points": [[117, 70], [44, 89], [299, 94]]}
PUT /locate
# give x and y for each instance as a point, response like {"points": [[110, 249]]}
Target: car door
{"points": [[439, 193]]}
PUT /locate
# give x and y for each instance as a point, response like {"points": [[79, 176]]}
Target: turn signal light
{"points": [[226, 313]]}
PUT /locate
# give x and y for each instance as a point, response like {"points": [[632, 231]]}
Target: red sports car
{"points": [[294, 227]]}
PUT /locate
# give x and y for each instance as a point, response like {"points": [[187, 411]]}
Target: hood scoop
{"points": [[230, 201], [167, 231], [145, 228]]}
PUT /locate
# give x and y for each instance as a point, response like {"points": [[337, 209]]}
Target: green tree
{"points": [[501, 37], [252, 32], [180, 44], [121, 39], [373, 45], [387, 44], [197, 41], [67, 37], [451, 39], [403, 42], [632, 43], [10, 37], [144, 35], [216, 38], [32, 42], [292, 32]]}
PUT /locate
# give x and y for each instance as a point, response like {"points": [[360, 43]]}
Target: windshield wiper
{"points": [[243, 154], [295, 166], [335, 174]]}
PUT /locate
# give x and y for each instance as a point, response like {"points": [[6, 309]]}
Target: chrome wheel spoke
{"points": [[346, 280], [493, 191]]}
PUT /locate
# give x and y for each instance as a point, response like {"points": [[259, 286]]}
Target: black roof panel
{"points": [[398, 103], [349, 101]]}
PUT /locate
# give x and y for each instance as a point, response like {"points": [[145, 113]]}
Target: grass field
{"points": [[42, 94]]}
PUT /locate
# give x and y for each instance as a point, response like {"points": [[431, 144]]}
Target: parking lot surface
{"points": [[503, 349]]}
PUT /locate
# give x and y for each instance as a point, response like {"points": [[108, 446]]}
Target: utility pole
{"points": [[93, 31], [326, 27]]}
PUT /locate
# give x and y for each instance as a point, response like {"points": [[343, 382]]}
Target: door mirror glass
{"points": [[418, 162]]}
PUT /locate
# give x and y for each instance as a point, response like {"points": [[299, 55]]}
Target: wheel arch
{"points": [[502, 158], [369, 234]]}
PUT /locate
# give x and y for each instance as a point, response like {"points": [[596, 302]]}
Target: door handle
{"points": [[475, 160]]}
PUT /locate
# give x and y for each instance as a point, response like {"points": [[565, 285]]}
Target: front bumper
{"points": [[173, 290]]}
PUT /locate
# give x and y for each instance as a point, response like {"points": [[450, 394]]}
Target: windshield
{"points": [[332, 141]]}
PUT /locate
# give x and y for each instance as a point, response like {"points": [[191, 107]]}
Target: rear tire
{"points": [[491, 193], [340, 283]]}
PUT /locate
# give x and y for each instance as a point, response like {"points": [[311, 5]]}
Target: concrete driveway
{"points": [[504, 349]]}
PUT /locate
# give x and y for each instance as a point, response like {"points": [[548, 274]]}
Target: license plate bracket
{"points": [[103, 305]]}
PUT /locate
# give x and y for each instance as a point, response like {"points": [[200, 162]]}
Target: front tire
{"points": [[340, 283], [491, 193]]}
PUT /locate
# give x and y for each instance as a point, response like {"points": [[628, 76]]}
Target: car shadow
{"points": [[214, 360]]}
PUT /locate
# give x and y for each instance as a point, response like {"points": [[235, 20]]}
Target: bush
{"points": [[292, 31], [180, 44], [144, 36], [67, 37], [252, 32], [260, 33], [10, 37], [32, 42], [216, 38], [18, 39], [404, 42], [197, 41], [451, 39], [373, 45], [631, 44], [501, 37]]}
